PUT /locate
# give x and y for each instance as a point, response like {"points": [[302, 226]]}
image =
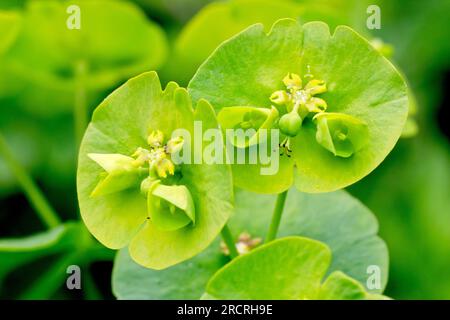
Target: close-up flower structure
{"points": [[224, 150]]}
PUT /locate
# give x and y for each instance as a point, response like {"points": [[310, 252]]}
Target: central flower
{"points": [[157, 157], [134, 192], [299, 102], [169, 206]]}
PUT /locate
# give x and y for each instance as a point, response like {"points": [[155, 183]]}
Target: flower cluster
{"points": [[169, 206]]}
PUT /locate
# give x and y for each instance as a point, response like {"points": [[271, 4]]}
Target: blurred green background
{"points": [[51, 78]]}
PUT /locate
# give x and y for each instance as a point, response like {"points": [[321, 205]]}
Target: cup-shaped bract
{"points": [[323, 75], [341, 134], [171, 207], [215, 23], [246, 118], [129, 190]]}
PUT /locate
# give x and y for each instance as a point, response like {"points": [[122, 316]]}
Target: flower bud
{"points": [[290, 123], [292, 81]]}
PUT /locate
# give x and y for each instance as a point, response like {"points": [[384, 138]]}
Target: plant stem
{"points": [[32, 192], [90, 287], [229, 242], [80, 103], [276, 216], [51, 280]]}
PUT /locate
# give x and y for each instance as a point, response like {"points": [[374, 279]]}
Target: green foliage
{"points": [[216, 23], [290, 268], [248, 69], [121, 125], [48, 61], [47, 69], [337, 219], [15, 252]]}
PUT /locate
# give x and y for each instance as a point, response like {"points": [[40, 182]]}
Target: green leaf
{"points": [[217, 22], [186, 280], [44, 63], [249, 68], [10, 22], [15, 252], [290, 268], [339, 286], [337, 219], [120, 125]]}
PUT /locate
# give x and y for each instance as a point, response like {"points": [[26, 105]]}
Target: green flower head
{"points": [[340, 106], [130, 190]]}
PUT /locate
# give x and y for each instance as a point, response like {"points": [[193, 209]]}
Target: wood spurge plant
{"points": [[224, 185], [339, 106]]}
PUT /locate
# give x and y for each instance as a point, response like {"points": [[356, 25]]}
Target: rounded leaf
{"points": [[337, 219], [359, 81], [121, 125]]}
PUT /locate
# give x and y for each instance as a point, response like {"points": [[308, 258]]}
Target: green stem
{"points": [[276, 216], [50, 281], [32, 192], [80, 102], [229, 242], [89, 286]]}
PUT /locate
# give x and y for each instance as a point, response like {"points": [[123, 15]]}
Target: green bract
{"points": [[130, 191], [340, 134], [342, 106], [10, 25], [48, 61], [291, 268], [337, 219]]}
